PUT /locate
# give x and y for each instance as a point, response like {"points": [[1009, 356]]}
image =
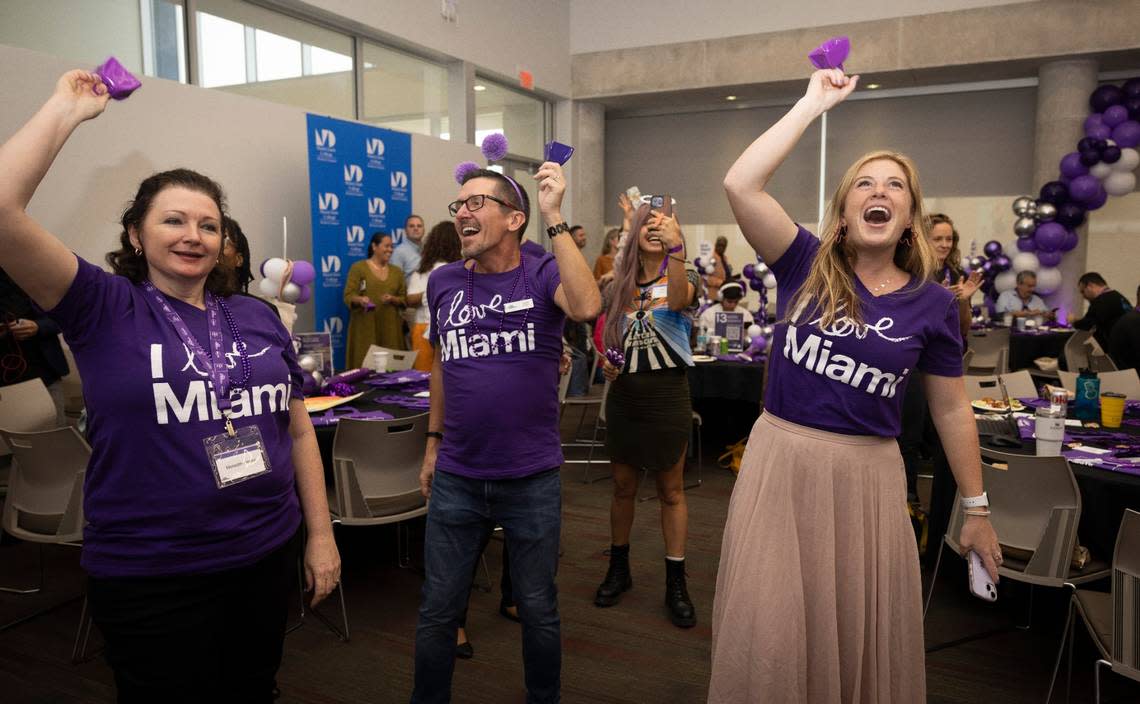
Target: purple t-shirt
{"points": [[851, 379], [500, 368], [151, 502]]}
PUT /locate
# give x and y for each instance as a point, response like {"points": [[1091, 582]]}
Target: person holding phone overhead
{"points": [[818, 594], [649, 315], [203, 459]]}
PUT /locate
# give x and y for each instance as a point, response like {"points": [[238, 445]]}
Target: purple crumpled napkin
{"points": [[400, 378], [831, 54], [333, 415], [119, 81]]}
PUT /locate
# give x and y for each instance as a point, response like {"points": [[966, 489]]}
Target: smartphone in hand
{"points": [[981, 585]]}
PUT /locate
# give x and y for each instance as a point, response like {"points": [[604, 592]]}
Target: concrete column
{"points": [[583, 126], [461, 101], [1062, 104]]}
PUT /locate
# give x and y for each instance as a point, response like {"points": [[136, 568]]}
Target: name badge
{"points": [[661, 291], [521, 304], [237, 458]]}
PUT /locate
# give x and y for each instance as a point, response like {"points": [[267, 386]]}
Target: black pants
{"points": [[198, 638]]}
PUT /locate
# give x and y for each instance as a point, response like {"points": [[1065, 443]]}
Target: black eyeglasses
{"points": [[475, 202]]}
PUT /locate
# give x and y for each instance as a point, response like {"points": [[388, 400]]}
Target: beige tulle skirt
{"points": [[818, 597]]}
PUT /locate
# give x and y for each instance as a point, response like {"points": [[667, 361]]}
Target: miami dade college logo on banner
{"points": [[330, 271], [398, 235], [374, 148], [328, 205], [334, 325], [354, 236], [353, 180], [324, 141], [376, 209], [399, 183]]}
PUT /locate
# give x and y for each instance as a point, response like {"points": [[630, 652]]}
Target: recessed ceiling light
{"points": [[730, 97], [481, 87], [872, 86]]}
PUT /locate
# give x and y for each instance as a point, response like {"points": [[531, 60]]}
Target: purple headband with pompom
{"points": [[494, 148]]}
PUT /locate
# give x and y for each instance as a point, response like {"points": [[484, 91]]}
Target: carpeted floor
{"points": [[629, 653]]}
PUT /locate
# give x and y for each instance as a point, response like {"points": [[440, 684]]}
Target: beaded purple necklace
{"points": [[521, 275]]}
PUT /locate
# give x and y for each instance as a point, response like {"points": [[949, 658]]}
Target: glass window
{"points": [[404, 92], [521, 116], [247, 49], [145, 36]]}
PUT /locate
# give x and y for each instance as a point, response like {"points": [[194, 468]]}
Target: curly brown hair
{"points": [[126, 261], [440, 245]]}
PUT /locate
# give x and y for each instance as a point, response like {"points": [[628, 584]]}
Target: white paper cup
{"points": [[378, 361]]}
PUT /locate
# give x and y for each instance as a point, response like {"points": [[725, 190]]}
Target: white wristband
{"points": [[975, 501]]}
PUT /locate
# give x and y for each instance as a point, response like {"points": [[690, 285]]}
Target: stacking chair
{"points": [[599, 425], [1019, 384], [592, 398], [376, 470], [45, 498], [72, 388], [1112, 619], [1068, 380], [1036, 509], [991, 352], [25, 407], [1124, 381], [1078, 350], [979, 387], [967, 357]]}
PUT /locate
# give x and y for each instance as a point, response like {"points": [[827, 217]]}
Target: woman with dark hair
{"points": [[649, 316], [441, 246], [374, 293], [202, 462], [818, 595], [235, 253]]}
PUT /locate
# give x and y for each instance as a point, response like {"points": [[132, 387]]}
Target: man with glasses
{"points": [[493, 450]]}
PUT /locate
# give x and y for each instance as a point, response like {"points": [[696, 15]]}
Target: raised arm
{"points": [[35, 259], [762, 220], [577, 295]]}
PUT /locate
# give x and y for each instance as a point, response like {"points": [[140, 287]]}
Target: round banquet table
{"points": [[1025, 346], [1105, 492], [727, 395]]}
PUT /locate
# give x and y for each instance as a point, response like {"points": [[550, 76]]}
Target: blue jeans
{"points": [[461, 515], [579, 373]]}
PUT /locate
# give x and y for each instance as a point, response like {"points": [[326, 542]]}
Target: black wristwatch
{"points": [[434, 434], [555, 230]]}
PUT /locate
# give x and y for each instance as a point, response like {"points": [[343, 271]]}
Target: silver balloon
{"points": [[307, 362], [1045, 212], [320, 379], [1021, 206], [1025, 226]]}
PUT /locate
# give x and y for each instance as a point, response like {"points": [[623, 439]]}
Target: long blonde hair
{"points": [[829, 290]]}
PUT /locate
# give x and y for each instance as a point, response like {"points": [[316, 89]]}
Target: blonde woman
{"points": [[818, 594]]}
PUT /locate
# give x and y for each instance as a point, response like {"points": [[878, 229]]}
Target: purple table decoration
{"points": [[831, 54], [415, 402], [387, 380], [333, 415], [119, 81]]}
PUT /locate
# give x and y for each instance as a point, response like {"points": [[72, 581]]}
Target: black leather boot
{"points": [[617, 578], [677, 600]]}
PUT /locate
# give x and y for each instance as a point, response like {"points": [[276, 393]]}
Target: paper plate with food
{"points": [[996, 405]]}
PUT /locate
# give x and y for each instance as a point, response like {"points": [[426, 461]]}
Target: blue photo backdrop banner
{"points": [[360, 182]]}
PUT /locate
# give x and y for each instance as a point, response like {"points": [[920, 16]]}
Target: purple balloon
{"points": [[1110, 155], [305, 295], [1071, 165], [1094, 119], [1115, 115], [758, 345], [1049, 258], [303, 273], [1083, 188], [1105, 97], [1133, 105], [1049, 236], [1127, 133], [1026, 244], [748, 270], [1055, 192], [1070, 215], [1101, 131], [1071, 240], [988, 267], [308, 384], [1131, 88], [1099, 199], [992, 248], [1002, 262]]}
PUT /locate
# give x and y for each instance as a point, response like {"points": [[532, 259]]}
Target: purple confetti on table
{"points": [[831, 54], [404, 401]]}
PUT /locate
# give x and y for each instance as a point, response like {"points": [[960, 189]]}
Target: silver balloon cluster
{"points": [[310, 367]]}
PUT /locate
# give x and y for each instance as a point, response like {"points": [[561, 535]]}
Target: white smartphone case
{"points": [[981, 585]]}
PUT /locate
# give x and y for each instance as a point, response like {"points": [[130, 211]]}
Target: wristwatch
{"points": [[555, 230], [976, 501]]}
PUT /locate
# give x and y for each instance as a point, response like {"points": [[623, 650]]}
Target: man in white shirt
{"points": [[1022, 301], [730, 295], [407, 255]]}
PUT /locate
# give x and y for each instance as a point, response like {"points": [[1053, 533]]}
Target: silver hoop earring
{"points": [[138, 252]]}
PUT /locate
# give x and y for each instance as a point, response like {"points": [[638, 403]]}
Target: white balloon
{"points": [[769, 280], [291, 292], [1005, 281], [275, 269], [267, 288], [1100, 169], [1129, 160], [1120, 183], [319, 378], [1025, 261], [307, 362], [710, 268], [754, 331], [1048, 280]]}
